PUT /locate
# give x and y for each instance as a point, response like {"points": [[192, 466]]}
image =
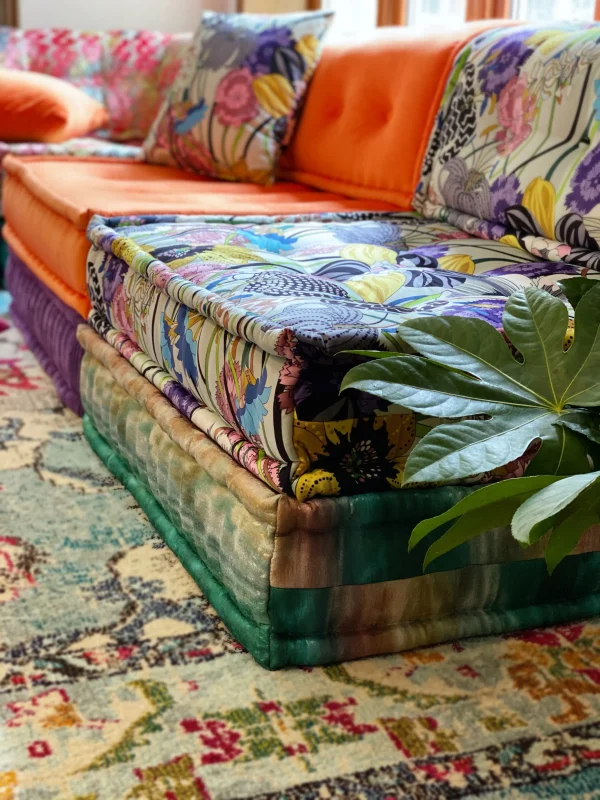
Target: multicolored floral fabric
{"points": [[515, 154], [238, 94], [240, 322], [85, 147], [128, 71]]}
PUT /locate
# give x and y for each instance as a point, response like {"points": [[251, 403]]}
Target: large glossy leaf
{"points": [[575, 288], [563, 452], [536, 323], [497, 515], [482, 498], [537, 515], [571, 524], [581, 363], [516, 399], [582, 422], [472, 446]]}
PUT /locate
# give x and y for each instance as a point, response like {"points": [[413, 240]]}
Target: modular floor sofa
{"points": [[217, 314]]}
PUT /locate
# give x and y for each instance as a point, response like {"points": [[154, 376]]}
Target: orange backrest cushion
{"points": [[370, 109], [41, 108]]}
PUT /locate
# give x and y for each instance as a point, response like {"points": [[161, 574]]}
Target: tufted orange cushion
{"points": [[370, 109]]}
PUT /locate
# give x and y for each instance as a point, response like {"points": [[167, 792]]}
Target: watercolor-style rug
{"points": [[118, 682]]}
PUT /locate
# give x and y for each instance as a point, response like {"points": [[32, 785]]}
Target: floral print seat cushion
{"points": [[515, 153], [238, 94], [241, 323]]}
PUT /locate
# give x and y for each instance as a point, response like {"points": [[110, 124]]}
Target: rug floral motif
{"points": [[118, 681]]}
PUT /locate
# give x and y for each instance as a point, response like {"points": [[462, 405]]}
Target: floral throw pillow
{"points": [[238, 94]]}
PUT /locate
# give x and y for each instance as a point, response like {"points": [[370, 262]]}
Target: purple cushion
{"points": [[48, 327]]}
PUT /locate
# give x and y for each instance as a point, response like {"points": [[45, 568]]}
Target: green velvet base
{"points": [[292, 609]]}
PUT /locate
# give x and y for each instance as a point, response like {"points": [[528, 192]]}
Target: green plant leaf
{"points": [[536, 324], [423, 386], [472, 524], [472, 446], [575, 288], [514, 401], [571, 524], [563, 452], [581, 362], [472, 346], [480, 499], [583, 422], [536, 516]]}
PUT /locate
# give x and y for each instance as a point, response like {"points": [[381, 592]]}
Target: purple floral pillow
{"points": [[238, 94]]}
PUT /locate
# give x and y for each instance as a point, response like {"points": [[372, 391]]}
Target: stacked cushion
{"points": [[250, 320], [327, 580]]}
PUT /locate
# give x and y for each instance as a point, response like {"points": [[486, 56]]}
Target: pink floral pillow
{"points": [[237, 97]]}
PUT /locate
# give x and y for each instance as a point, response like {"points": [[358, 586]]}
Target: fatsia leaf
{"points": [[581, 364], [536, 324], [481, 499], [472, 346], [582, 422], [562, 452], [575, 288], [536, 516], [571, 524], [496, 515], [516, 402], [468, 447], [425, 387]]}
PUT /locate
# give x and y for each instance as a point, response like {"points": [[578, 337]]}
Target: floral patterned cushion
{"points": [[128, 71], [236, 99], [240, 322], [515, 154]]}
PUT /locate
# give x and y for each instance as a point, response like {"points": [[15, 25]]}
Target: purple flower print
{"points": [[504, 61], [585, 186], [505, 192], [260, 61]]}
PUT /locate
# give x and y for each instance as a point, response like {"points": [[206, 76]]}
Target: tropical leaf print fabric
{"points": [[241, 322], [238, 94], [515, 154]]}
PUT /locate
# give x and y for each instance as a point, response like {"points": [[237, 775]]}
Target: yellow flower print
{"points": [[548, 40], [540, 200], [457, 263], [308, 47], [275, 94], [229, 254], [377, 288], [317, 482], [239, 171], [368, 253]]}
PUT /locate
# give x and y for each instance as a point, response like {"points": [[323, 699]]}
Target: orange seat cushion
{"points": [[42, 108], [48, 203], [370, 110]]}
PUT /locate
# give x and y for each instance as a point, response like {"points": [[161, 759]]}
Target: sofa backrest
{"points": [[369, 110], [516, 148], [129, 71]]}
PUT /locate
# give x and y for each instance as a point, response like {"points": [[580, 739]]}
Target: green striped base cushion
{"points": [[230, 538]]}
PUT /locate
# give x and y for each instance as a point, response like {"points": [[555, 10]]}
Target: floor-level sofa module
{"points": [[321, 581], [214, 323]]}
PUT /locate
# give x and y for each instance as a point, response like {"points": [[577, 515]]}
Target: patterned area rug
{"points": [[119, 682]]}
